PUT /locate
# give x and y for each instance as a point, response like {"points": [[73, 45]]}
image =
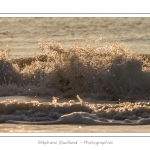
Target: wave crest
{"points": [[108, 72]]}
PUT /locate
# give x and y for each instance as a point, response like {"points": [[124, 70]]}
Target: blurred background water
{"points": [[22, 34]]}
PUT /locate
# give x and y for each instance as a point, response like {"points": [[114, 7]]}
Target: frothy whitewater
{"points": [[104, 85]]}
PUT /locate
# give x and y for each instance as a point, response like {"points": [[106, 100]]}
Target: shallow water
{"points": [[42, 111], [13, 128]]}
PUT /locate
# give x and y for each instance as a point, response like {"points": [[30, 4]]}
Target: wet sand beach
{"points": [[13, 128]]}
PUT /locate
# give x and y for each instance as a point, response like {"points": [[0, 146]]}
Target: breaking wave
{"points": [[109, 72], [104, 73]]}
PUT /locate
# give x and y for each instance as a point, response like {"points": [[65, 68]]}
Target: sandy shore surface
{"points": [[13, 128]]}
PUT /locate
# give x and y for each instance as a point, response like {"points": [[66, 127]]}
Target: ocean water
{"points": [[75, 71], [23, 34]]}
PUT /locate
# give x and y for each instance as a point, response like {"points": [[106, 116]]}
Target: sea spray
{"points": [[80, 100], [105, 72]]}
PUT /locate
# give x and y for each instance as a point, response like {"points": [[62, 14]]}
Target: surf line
{"points": [[85, 118]]}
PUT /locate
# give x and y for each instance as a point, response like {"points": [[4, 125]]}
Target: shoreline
{"points": [[13, 128]]}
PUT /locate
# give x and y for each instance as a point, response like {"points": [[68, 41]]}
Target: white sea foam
{"points": [[27, 110]]}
